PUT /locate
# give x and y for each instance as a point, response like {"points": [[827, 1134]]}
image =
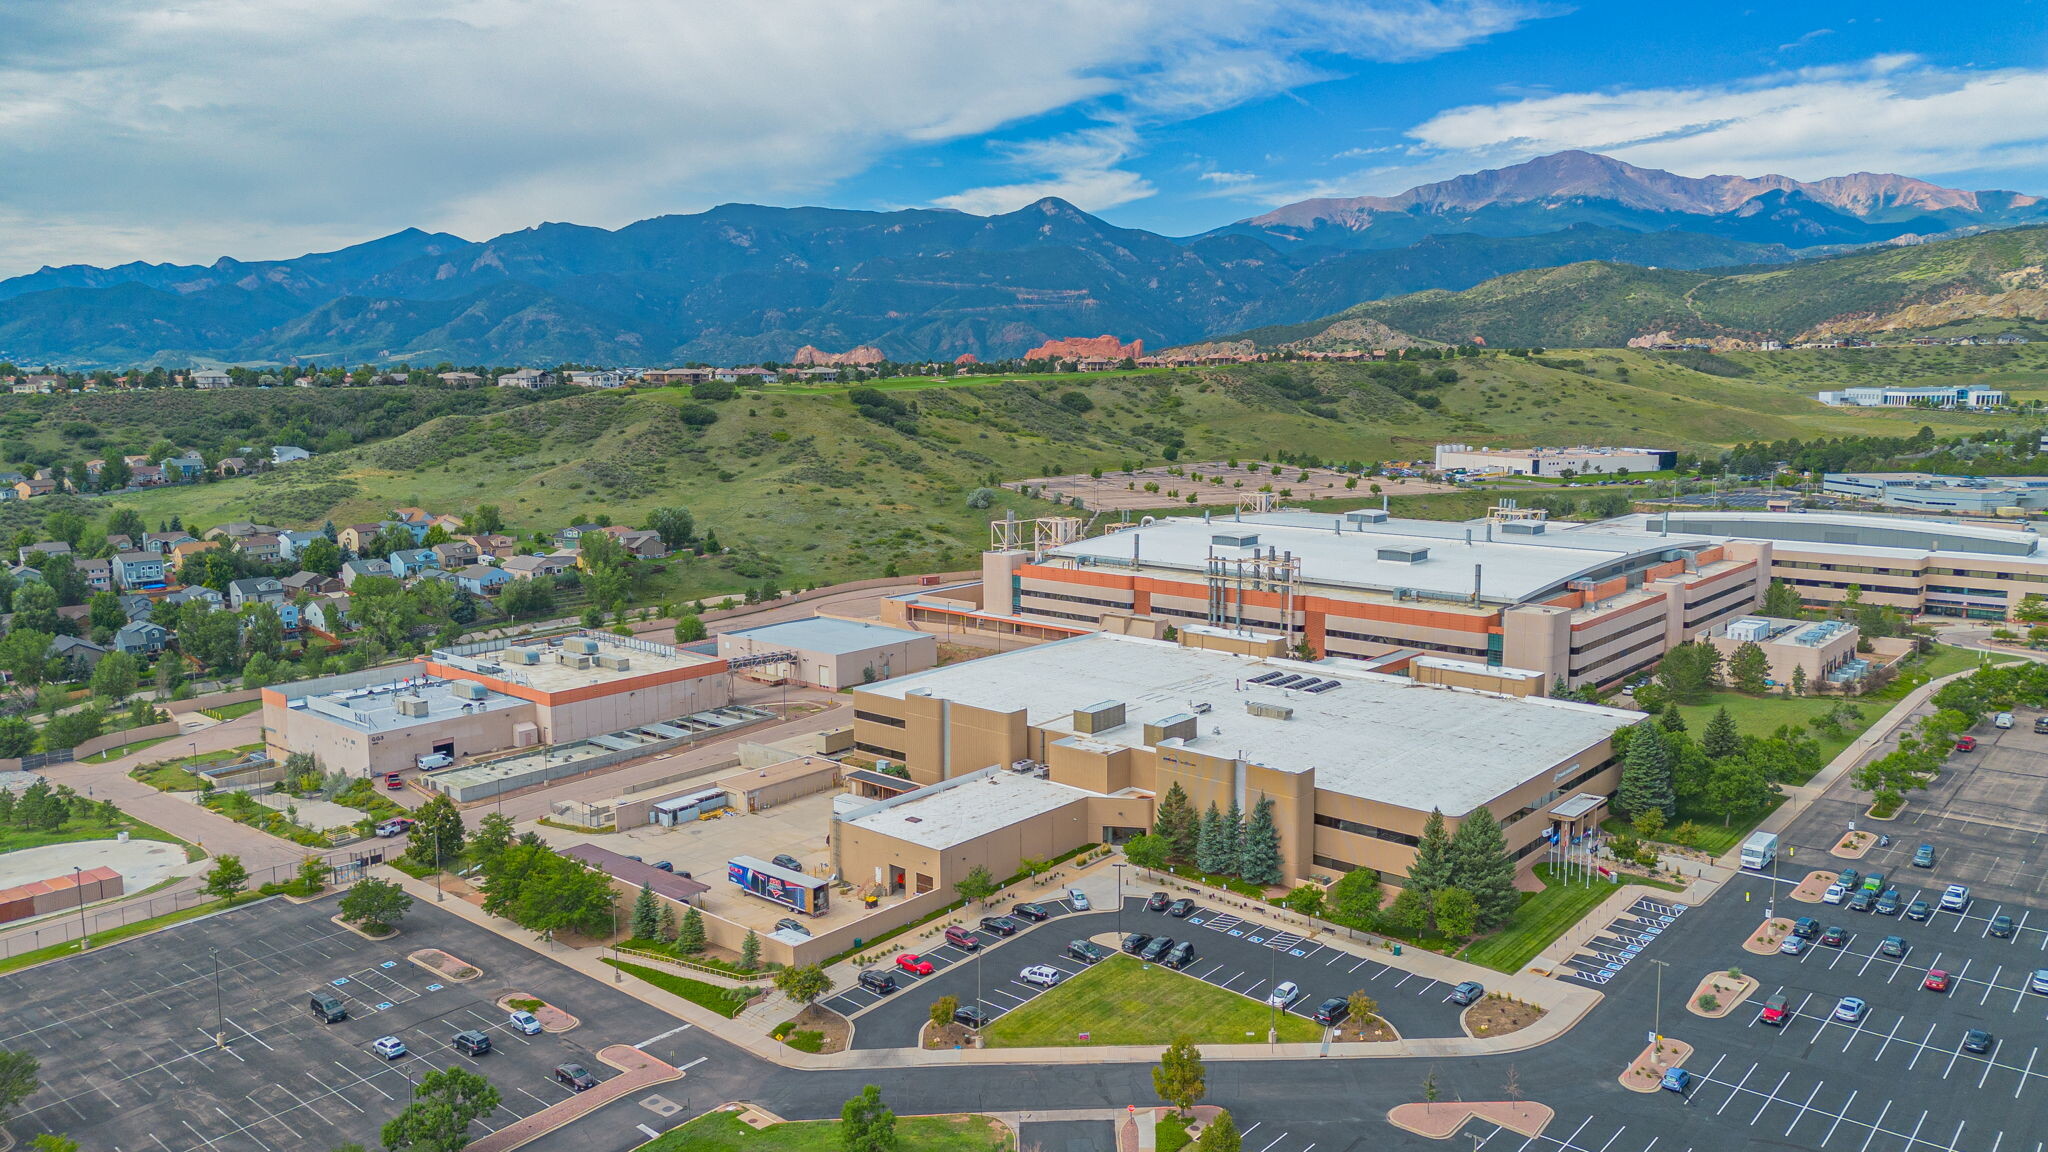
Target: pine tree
{"points": [[1720, 740], [1431, 870], [666, 929], [1177, 823], [1799, 681], [1646, 775], [1672, 720], [646, 914], [690, 935], [1209, 844], [1233, 840], [750, 951], [1749, 667], [1480, 865], [1260, 863]]}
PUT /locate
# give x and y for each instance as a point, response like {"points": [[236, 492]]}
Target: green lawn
{"points": [[727, 1002], [1124, 1001], [230, 711], [15, 839], [1542, 918], [724, 1132], [124, 750], [100, 939]]}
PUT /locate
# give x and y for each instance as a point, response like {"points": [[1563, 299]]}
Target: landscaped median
{"points": [[727, 1002], [1543, 917], [725, 1131], [1123, 1001]]}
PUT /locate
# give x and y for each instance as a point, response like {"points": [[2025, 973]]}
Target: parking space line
{"points": [[1952, 1058], [1990, 1062], [2026, 1073], [1920, 1047], [1770, 1098], [1839, 1114], [1888, 1039], [1737, 1092], [1991, 983]]}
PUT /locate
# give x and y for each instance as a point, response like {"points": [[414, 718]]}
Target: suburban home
{"points": [[411, 515], [528, 567], [136, 605], [161, 543], [187, 550], [82, 655], [290, 615], [287, 454], [237, 530], [356, 537], [189, 466], [526, 378], [231, 466], [328, 614], [455, 555], [79, 614], [141, 638], [492, 544], [28, 489], [263, 548], [310, 584], [446, 522], [210, 378], [145, 476], [117, 542], [482, 579], [138, 570], [644, 543], [409, 562], [198, 592], [98, 573], [291, 544], [568, 537], [256, 590], [462, 379], [46, 548], [597, 379], [355, 570]]}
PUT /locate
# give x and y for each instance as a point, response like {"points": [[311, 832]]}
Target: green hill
{"points": [[1952, 285]]}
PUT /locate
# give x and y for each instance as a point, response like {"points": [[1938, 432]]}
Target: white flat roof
{"points": [[1838, 532], [1374, 736], [823, 634], [1514, 568], [970, 808]]}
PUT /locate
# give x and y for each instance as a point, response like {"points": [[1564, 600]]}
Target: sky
{"points": [[184, 130]]}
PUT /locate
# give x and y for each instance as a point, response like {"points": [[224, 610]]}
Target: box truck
{"points": [[1759, 850]]}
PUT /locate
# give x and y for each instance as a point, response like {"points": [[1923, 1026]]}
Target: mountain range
{"points": [[742, 283]]}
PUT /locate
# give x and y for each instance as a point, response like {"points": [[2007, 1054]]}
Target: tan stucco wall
{"points": [[345, 749]]}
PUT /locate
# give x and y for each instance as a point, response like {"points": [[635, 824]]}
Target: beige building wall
{"points": [[631, 707], [343, 748]]}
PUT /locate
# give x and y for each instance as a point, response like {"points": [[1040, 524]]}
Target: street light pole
{"points": [[1657, 1015], [1120, 866], [78, 886], [220, 1026], [439, 896]]}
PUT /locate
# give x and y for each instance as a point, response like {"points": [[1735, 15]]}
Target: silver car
{"points": [[1078, 900], [1283, 994]]}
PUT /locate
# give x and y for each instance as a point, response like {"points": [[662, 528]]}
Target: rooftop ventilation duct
{"points": [[1404, 553], [1269, 711], [1235, 540], [1099, 717], [1367, 516]]}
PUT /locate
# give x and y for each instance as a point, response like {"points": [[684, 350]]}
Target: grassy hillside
{"points": [[1967, 284], [809, 490]]}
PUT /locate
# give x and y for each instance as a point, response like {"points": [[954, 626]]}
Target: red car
{"points": [[914, 964], [1966, 743], [393, 781], [1937, 981]]}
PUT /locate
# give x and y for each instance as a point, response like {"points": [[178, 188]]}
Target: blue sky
{"points": [[266, 128]]}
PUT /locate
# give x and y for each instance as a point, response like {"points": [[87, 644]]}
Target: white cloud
{"points": [[1890, 114], [136, 129], [1228, 177]]}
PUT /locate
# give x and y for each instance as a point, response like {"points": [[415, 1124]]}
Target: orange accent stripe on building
{"points": [[587, 691], [1655, 601]]}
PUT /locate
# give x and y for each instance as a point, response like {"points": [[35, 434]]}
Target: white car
{"points": [[526, 1022], [2003, 720], [1834, 894], [1284, 993], [389, 1047], [1043, 975], [1792, 946], [1078, 900]]}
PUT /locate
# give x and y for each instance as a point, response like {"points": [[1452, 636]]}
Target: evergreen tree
{"points": [[1782, 600], [1209, 843], [690, 935], [1260, 863], [1177, 823], [1749, 667], [1480, 865], [646, 915], [1233, 840], [1431, 871], [1672, 720], [1646, 775], [750, 952], [1798, 681], [665, 929], [1720, 740]]}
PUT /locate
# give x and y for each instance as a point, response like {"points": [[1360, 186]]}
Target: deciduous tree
{"points": [[1180, 1078], [866, 1124], [226, 878], [376, 906], [445, 1103]]}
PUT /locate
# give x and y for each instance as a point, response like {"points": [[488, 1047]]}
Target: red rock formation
{"points": [[967, 358], [809, 356], [1080, 347]]}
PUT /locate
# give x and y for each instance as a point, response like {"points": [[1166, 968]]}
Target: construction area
{"points": [[1215, 482]]}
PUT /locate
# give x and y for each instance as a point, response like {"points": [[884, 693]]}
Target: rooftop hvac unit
{"points": [[469, 690], [585, 645], [1235, 540], [410, 705], [616, 662], [1099, 717], [1269, 711], [1522, 528], [1749, 628], [1180, 725], [522, 656], [1404, 553], [1367, 516]]}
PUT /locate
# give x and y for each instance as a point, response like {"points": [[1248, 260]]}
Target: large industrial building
{"points": [[491, 696], [1512, 589], [1555, 462], [1943, 495], [1084, 734]]}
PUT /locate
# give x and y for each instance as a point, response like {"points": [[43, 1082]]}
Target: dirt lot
{"points": [[1117, 491], [1497, 1016]]}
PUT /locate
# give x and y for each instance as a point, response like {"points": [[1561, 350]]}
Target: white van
{"points": [[2003, 720]]}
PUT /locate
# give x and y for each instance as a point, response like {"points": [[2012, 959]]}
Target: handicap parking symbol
{"points": [[385, 1005], [1258, 939], [1296, 952], [1194, 920], [1235, 932], [388, 964], [433, 987], [339, 983]]}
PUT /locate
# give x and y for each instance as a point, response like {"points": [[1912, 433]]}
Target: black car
{"points": [[1888, 904], [1862, 901], [877, 981], [1000, 925], [473, 1042], [1978, 1040], [1183, 954], [1835, 936], [1086, 952], [2001, 926], [971, 1016], [1135, 943], [1157, 902], [1332, 1011], [1157, 949], [1180, 908], [574, 1077], [789, 862], [1032, 912], [1806, 927]]}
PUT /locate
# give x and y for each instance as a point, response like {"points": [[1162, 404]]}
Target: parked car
{"points": [[1000, 925], [1793, 946], [396, 826], [1834, 894], [473, 1042], [914, 964], [879, 982], [1888, 904], [962, 937], [787, 861], [1468, 992], [2001, 926], [2039, 981], [787, 924], [1806, 927], [1085, 951], [389, 1047], [2002, 720], [328, 1008], [664, 866], [1849, 1009], [1180, 908], [1955, 898], [1135, 943], [1157, 949], [1032, 912], [1874, 882], [1043, 975], [1157, 902], [1848, 877], [1332, 1011], [1966, 743], [1978, 1040], [2041, 725], [1923, 856], [1183, 954], [394, 781], [971, 1016], [1078, 900], [1937, 980], [1835, 936], [1777, 1010], [1283, 994], [428, 761], [1862, 901], [526, 1023], [1919, 910], [574, 1077], [1894, 946], [1677, 1080]]}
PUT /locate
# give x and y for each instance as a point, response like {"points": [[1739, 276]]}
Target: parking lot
{"points": [[1231, 953], [126, 1033]]}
